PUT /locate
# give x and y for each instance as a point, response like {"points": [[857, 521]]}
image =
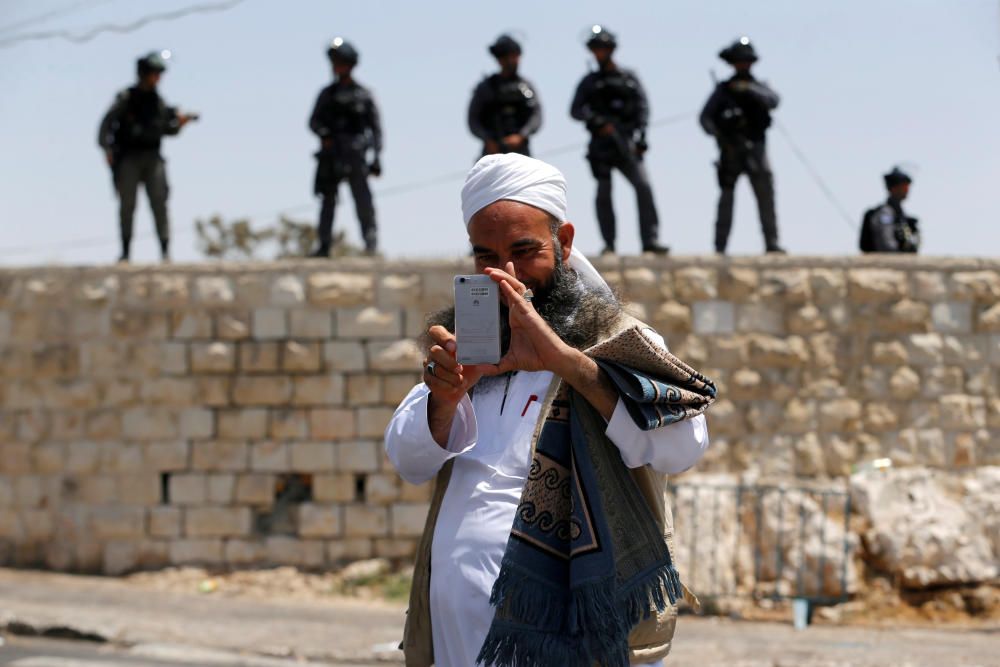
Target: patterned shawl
{"points": [[586, 561]]}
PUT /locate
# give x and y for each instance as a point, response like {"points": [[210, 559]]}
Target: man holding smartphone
{"points": [[476, 429]]}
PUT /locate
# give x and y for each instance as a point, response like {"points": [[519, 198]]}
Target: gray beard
{"points": [[578, 313]]}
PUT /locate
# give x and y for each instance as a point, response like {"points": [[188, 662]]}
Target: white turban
{"points": [[519, 178]]}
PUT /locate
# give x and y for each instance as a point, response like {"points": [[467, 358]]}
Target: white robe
{"points": [[492, 448]]}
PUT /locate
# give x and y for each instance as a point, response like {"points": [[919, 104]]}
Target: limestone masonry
{"points": [[233, 413]]}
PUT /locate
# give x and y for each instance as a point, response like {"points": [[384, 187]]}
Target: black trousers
{"points": [[734, 160], [148, 168], [329, 173], [605, 155]]}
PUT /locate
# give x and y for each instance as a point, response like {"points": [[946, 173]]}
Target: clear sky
{"points": [[864, 85]]}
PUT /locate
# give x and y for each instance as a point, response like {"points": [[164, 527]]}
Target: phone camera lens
{"points": [[461, 280]]}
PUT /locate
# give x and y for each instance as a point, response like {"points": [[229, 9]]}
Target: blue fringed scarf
{"points": [[586, 560]]}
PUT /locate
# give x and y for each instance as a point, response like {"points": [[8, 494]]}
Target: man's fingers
{"points": [[442, 337], [444, 359], [514, 299], [501, 276]]}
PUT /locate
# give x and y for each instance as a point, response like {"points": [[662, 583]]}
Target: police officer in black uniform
{"points": [[130, 135], [505, 110], [886, 228], [738, 114], [612, 103], [346, 120]]}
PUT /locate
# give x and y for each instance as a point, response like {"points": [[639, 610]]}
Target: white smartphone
{"points": [[477, 319]]}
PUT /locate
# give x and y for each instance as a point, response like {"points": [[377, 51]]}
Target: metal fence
{"points": [[763, 541]]}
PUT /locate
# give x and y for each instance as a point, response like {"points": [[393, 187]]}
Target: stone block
{"points": [[381, 489], [952, 316], [289, 424], [214, 391], [196, 422], [876, 285], [395, 548], [334, 288], [195, 552], [929, 285], [372, 421], [245, 423], [100, 490], [287, 290], [221, 489], [403, 355], [191, 325], [408, 519], [318, 390], [789, 285], [396, 387], [904, 316], [319, 520], [270, 323], [398, 290], [695, 284], [925, 349], [369, 322], [333, 488], [349, 550], [214, 291], [310, 324], [306, 554], [766, 318], [976, 285], [364, 521], [110, 523], [840, 415], [358, 456], [188, 489], [217, 522], [270, 456], [989, 319], [642, 284], [141, 489], [242, 553], [150, 424], [789, 352], [48, 457], [301, 357], [364, 389], [672, 317], [712, 317], [964, 413], [220, 455], [262, 390], [419, 493], [165, 521], [260, 357], [216, 357], [313, 457], [344, 356], [232, 326], [332, 424], [132, 324], [255, 489], [174, 358], [891, 353]]}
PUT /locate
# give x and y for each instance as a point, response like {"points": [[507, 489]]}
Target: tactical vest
{"points": [[742, 114], [143, 123], [346, 109], [616, 96], [510, 108]]}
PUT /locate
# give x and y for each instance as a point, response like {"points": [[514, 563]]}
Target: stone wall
{"points": [[233, 413]]}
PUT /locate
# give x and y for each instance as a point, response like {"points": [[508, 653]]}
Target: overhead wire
{"points": [[52, 14], [86, 36]]}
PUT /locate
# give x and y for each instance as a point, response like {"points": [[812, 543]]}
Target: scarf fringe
{"points": [[592, 626]]}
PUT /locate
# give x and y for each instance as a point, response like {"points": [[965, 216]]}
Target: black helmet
{"points": [[154, 61], [601, 37], [341, 51], [505, 45], [896, 177], [740, 51]]}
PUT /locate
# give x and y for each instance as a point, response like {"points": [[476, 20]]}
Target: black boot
{"points": [[322, 251], [165, 250], [656, 248]]}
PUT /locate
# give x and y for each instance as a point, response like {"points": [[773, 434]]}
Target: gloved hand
{"points": [[375, 168]]}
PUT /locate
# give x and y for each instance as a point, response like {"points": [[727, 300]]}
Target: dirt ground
{"points": [[881, 605]]}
